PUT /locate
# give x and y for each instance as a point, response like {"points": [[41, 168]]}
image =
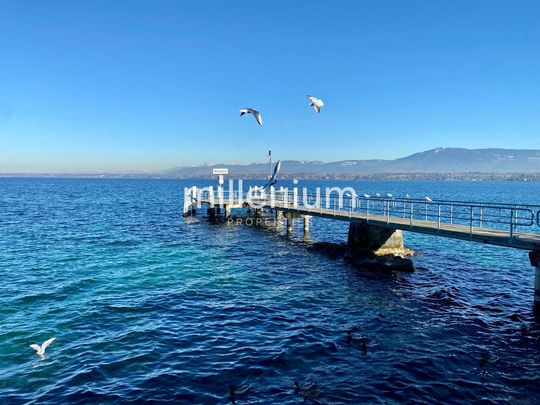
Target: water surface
{"points": [[148, 306]]}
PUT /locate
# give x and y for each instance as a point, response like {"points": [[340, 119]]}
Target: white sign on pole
{"points": [[220, 171]]}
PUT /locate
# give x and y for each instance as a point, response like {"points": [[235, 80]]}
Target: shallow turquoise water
{"points": [[148, 306]]}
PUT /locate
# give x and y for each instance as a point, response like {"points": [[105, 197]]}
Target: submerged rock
{"points": [[332, 250], [370, 261], [363, 259]]}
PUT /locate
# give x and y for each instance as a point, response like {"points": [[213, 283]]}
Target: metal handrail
{"points": [[473, 214]]}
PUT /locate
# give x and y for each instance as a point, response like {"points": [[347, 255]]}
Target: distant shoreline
{"points": [[304, 176]]}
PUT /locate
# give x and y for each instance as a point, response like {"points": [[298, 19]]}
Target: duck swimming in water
{"points": [[306, 386], [313, 394], [487, 358], [237, 390]]}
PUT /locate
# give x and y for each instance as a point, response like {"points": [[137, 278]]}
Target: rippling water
{"points": [[147, 306]]}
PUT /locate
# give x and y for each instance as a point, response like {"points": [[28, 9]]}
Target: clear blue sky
{"points": [[148, 85]]}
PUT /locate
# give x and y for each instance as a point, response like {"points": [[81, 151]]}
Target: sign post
{"points": [[220, 172]]}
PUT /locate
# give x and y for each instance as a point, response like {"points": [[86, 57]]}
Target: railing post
{"points": [[451, 213], [387, 212], [511, 223], [367, 210], [438, 217], [471, 223], [411, 213], [481, 216]]}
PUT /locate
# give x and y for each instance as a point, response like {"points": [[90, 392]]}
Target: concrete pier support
{"points": [[306, 227], [306, 224], [279, 217], [290, 221], [378, 240], [534, 256]]}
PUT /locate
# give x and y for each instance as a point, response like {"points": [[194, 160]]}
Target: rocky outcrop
{"points": [[364, 259]]}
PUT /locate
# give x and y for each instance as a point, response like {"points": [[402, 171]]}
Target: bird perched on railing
{"points": [[428, 199]]}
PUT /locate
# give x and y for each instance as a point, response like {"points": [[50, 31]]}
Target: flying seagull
{"points": [[255, 113], [316, 103], [41, 349], [273, 180]]}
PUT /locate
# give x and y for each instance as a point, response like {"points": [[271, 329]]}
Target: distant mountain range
{"points": [[439, 160]]}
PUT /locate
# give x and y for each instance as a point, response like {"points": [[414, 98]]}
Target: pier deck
{"points": [[520, 240]]}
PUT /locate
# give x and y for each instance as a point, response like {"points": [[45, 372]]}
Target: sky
{"points": [[135, 86]]}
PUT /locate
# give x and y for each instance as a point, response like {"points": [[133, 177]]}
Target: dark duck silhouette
{"points": [[238, 390]]}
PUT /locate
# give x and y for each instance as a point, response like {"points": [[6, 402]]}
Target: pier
{"points": [[376, 223]]}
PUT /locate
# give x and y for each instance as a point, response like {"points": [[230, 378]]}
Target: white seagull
{"points": [[41, 349], [255, 113], [389, 195], [316, 103], [428, 199], [366, 196], [377, 195]]}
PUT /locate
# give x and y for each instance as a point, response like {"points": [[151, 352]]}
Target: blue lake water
{"points": [[148, 306]]}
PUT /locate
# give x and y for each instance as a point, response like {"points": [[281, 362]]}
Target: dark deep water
{"points": [[148, 306]]}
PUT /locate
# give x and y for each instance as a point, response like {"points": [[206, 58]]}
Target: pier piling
{"points": [[376, 239], [534, 256], [279, 217], [290, 221], [306, 223]]}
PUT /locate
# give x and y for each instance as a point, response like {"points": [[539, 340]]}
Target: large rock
{"points": [[332, 250], [364, 259]]}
